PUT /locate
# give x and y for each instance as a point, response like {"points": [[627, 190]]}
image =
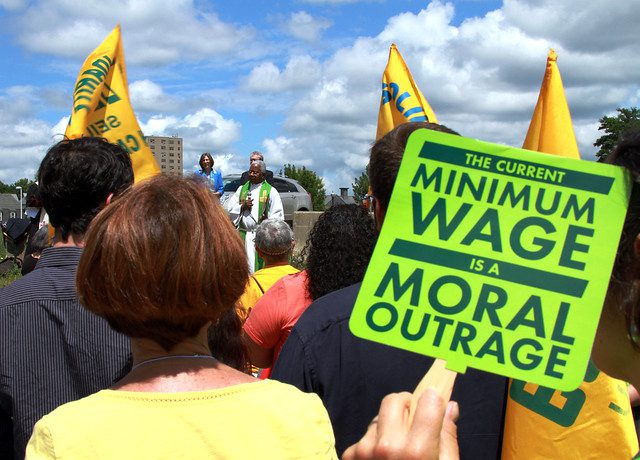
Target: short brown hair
{"points": [[386, 156], [162, 261]]}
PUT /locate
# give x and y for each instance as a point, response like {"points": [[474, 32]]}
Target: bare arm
{"points": [[259, 356]]}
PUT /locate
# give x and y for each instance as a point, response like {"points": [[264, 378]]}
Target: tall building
{"points": [[167, 152]]}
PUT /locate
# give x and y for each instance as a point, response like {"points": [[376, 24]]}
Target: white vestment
{"points": [[249, 219]]}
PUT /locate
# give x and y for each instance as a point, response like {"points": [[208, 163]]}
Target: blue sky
{"points": [[299, 80]]}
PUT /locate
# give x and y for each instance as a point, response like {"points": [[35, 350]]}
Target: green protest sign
{"points": [[494, 257]]}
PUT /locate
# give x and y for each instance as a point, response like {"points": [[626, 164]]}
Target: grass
{"points": [[11, 275]]}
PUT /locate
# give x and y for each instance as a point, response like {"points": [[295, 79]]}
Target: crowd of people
{"points": [[143, 329]]}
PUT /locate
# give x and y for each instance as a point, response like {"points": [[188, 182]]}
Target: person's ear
{"points": [[636, 246], [378, 213], [107, 202]]}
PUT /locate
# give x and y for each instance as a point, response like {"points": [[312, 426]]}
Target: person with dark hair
{"points": [[52, 350], [225, 341], [38, 218], [177, 400], [337, 252], [212, 177], [274, 244], [253, 157], [352, 375]]}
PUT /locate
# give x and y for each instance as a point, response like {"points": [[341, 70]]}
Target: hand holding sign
{"points": [[431, 434]]}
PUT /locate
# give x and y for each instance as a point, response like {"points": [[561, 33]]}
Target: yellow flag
{"points": [[101, 105], [595, 420], [401, 100], [551, 130]]}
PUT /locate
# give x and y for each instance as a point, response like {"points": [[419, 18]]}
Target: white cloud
{"points": [[278, 151], [22, 147], [17, 103], [203, 131], [300, 72], [154, 33], [147, 96], [481, 77], [593, 26], [305, 27]]}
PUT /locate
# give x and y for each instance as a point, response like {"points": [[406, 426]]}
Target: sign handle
{"points": [[440, 379]]}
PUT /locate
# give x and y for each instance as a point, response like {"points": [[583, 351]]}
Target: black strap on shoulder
{"points": [[259, 286]]}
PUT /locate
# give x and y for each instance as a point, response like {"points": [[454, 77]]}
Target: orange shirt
{"points": [[277, 311]]}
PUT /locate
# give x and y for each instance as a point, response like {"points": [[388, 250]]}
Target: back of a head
{"points": [[386, 156], [40, 239], [161, 261], [261, 164], [274, 238], [627, 266], [339, 249], [33, 196], [75, 178], [255, 153]]}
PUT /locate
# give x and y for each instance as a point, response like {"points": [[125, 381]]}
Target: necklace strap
{"points": [[163, 358]]}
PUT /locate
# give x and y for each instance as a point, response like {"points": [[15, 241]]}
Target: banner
{"points": [[401, 100], [494, 257], [101, 105], [551, 130]]}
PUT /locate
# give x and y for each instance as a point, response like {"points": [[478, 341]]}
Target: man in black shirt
{"points": [[256, 156], [52, 350], [352, 375]]}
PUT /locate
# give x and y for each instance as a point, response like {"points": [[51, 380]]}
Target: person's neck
{"points": [[275, 263], [147, 349], [188, 366], [72, 241]]}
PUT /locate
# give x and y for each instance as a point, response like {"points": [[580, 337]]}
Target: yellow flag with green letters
{"points": [[401, 99], [101, 105], [594, 420]]}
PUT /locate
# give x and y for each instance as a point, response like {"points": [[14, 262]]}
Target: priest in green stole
{"points": [[252, 203]]}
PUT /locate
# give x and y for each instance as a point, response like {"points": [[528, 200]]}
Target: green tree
{"points": [[360, 186], [24, 183], [12, 188], [311, 182], [615, 127]]}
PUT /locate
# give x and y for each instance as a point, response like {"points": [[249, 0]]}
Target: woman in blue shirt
{"points": [[212, 178]]}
